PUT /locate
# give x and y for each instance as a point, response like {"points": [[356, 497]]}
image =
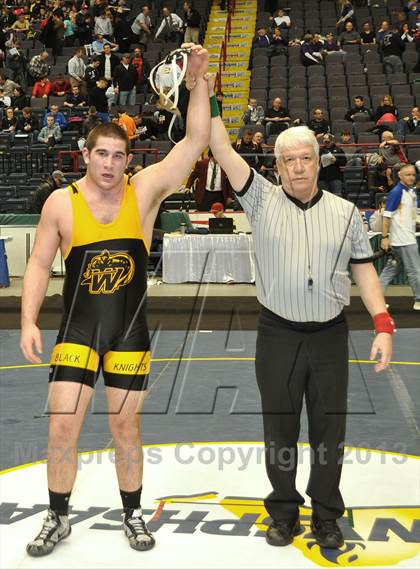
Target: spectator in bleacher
{"points": [[74, 98], [261, 39], [384, 29], [392, 48], [98, 46], [92, 73], [58, 116], [125, 78], [346, 15], [60, 86], [332, 159], [45, 189], [391, 158], [97, 98], [57, 35], [122, 31], [317, 42], [21, 24], [254, 114], [319, 124], [8, 123], [280, 20], [349, 36], [145, 128], [163, 119], [108, 61], [128, 124], [76, 68], [28, 123], [410, 125], [367, 35], [42, 88], [103, 26], [143, 69], [83, 26], [69, 31], [5, 100], [399, 19], [7, 85], [330, 43], [17, 64], [92, 120], [19, 99], [142, 26], [273, 175], [51, 133], [219, 99], [248, 149], [192, 21], [358, 112], [308, 56], [277, 118], [278, 44], [171, 26], [386, 106], [211, 184], [405, 34], [38, 66]]}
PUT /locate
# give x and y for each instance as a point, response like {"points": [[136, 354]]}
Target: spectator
{"points": [[57, 34], [384, 29], [60, 86], [248, 149], [75, 98], [38, 66], [51, 133], [318, 124], [332, 159], [58, 116], [99, 44], [83, 26], [27, 123], [346, 15], [405, 34], [108, 61], [254, 113], [91, 121], [192, 20], [21, 24], [367, 35], [349, 36], [142, 26], [9, 121], [410, 125], [277, 118], [125, 77], [76, 68], [280, 20], [375, 220], [17, 64], [7, 85], [98, 99], [163, 119], [219, 99], [211, 185], [308, 56], [143, 70], [359, 113], [261, 38], [386, 106], [330, 43], [103, 26], [69, 31], [5, 100], [392, 48], [19, 99], [145, 128], [122, 31], [317, 42], [278, 43], [92, 73], [42, 88], [127, 123], [45, 189], [170, 27], [390, 158]]}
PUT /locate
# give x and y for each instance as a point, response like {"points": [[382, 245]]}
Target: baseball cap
{"points": [[217, 206], [58, 174]]}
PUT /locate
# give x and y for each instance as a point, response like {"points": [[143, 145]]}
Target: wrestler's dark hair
{"points": [[109, 130]]}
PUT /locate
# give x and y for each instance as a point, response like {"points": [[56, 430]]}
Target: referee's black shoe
{"points": [[282, 532], [327, 533]]}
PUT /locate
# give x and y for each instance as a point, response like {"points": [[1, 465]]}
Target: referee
{"points": [[304, 240]]}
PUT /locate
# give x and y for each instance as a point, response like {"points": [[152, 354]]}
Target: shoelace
{"points": [[138, 523], [49, 524]]}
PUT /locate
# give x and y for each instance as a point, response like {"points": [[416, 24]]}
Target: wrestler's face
{"points": [[106, 162], [298, 169]]}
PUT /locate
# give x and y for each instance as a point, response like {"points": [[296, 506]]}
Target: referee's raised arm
{"points": [[237, 170]]}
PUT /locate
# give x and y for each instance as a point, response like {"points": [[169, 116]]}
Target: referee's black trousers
{"points": [[295, 360]]}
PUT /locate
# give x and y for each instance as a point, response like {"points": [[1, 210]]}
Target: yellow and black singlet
{"points": [[104, 323]]}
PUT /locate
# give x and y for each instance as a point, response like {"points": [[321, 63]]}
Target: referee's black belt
{"points": [[273, 320]]}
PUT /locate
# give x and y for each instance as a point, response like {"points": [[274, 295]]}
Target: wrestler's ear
{"points": [[129, 159], [85, 155]]}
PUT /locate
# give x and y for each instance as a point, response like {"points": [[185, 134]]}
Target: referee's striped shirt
{"points": [[302, 272]]}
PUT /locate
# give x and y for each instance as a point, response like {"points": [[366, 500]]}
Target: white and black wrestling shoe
{"points": [[139, 537], [54, 529]]}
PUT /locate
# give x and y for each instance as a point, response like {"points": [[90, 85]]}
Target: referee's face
{"points": [[298, 168]]}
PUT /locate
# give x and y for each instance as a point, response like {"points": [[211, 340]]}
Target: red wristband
{"points": [[384, 323]]}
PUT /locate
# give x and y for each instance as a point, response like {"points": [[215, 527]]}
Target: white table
{"points": [[208, 258]]}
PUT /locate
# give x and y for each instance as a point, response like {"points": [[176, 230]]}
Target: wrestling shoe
{"points": [[139, 537], [327, 533], [282, 532], [54, 529]]}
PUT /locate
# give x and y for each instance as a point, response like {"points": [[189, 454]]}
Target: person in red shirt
{"points": [[42, 88], [60, 86], [143, 70]]}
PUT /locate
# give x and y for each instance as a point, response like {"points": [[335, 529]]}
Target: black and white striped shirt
{"points": [[302, 253]]}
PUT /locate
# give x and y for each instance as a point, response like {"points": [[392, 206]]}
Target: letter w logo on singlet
{"points": [[107, 272]]}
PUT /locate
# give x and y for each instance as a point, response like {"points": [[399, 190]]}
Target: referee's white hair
{"points": [[294, 137]]}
